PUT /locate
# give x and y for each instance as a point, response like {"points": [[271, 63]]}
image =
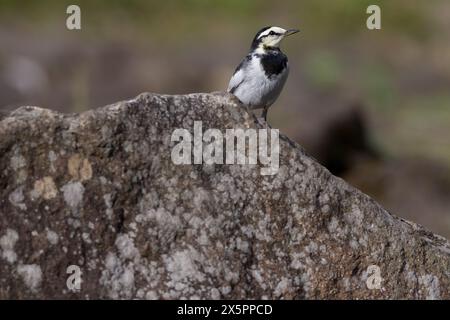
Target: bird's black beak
{"points": [[290, 31]]}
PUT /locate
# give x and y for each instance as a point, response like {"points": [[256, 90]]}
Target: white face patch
{"points": [[272, 36], [276, 30]]}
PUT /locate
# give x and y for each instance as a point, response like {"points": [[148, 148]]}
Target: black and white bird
{"points": [[259, 78]]}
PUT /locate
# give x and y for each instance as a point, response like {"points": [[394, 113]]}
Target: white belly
{"points": [[258, 91]]}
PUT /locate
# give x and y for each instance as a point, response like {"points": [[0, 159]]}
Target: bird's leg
{"points": [[248, 110], [258, 119], [264, 113], [252, 114]]}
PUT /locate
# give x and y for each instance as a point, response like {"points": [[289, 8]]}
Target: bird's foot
{"points": [[263, 122], [264, 116]]}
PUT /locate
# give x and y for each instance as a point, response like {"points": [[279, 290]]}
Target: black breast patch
{"points": [[273, 63]]}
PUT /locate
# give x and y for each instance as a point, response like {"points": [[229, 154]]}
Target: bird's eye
{"points": [[271, 33]]}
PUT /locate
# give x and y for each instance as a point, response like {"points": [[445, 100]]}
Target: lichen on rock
{"points": [[100, 191]]}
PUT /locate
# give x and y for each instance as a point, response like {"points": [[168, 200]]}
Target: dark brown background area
{"points": [[372, 106]]}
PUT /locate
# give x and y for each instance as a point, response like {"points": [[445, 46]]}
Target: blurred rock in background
{"points": [[372, 106]]}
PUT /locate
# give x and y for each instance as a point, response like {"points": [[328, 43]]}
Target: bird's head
{"points": [[270, 37]]}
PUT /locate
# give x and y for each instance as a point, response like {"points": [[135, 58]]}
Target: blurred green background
{"points": [[372, 106]]}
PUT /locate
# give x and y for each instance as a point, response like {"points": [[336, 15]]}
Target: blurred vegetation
{"points": [[329, 28], [321, 18]]}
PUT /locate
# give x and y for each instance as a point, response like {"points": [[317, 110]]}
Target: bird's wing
{"points": [[239, 75]]}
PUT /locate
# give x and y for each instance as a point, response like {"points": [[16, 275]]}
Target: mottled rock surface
{"points": [[99, 190]]}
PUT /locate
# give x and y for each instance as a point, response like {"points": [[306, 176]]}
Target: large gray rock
{"points": [[99, 190]]}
